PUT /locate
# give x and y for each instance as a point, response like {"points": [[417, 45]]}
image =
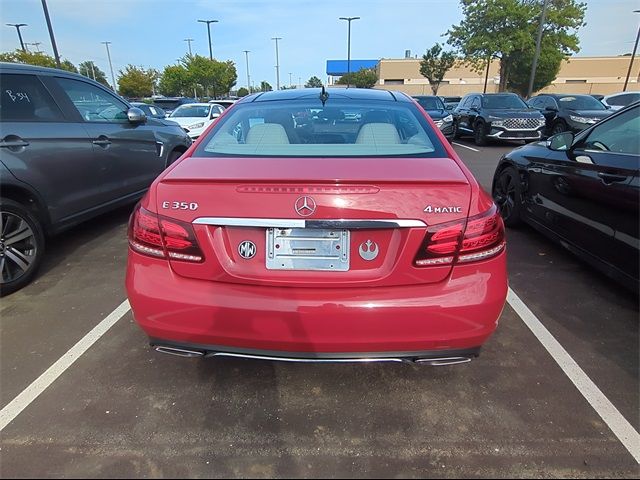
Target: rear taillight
{"points": [[162, 237], [476, 238]]}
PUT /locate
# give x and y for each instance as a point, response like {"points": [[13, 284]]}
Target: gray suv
{"points": [[70, 149]]}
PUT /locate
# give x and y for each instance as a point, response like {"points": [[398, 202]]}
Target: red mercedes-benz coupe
{"points": [[319, 225]]}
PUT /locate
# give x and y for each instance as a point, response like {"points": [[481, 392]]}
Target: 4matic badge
{"points": [[441, 209]]}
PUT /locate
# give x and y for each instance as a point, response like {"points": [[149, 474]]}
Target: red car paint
{"points": [[208, 298]]}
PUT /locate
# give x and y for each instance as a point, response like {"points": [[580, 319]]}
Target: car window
{"points": [[580, 102], [623, 100], [24, 98], [191, 111], [465, 102], [475, 103], [430, 103], [93, 103], [499, 102], [537, 102], [618, 135], [341, 128]]}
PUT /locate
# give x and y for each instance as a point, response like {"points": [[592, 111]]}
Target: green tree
{"points": [[243, 92], [506, 29], [435, 64], [224, 78], [136, 82], [313, 82], [88, 69], [363, 78], [174, 81], [265, 87], [547, 70], [36, 58]]}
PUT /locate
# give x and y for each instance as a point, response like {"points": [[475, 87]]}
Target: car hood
{"points": [[186, 121], [591, 113], [512, 113]]}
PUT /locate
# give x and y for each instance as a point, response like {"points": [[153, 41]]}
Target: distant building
{"points": [[338, 68], [600, 75]]}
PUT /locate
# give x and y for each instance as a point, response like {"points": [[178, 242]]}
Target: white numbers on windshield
{"points": [[180, 205], [17, 96]]}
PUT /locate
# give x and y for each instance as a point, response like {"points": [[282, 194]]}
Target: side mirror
{"points": [[135, 115], [560, 142]]}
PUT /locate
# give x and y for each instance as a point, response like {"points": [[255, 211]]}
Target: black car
{"points": [[70, 150], [439, 114], [568, 113], [169, 104], [582, 191], [498, 116], [151, 111]]}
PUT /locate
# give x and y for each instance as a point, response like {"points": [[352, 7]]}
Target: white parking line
{"points": [[620, 427], [464, 146], [29, 394]]}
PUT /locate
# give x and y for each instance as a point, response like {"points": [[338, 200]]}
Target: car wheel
{"points": [[456, 131], [479, 134], [507, 193], [559, 127], [173, 156], [21, 246]]}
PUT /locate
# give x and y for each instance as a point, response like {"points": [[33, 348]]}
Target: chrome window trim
{"points": [[295, 223]]}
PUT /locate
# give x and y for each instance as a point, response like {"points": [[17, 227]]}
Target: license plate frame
{"points": [[308, 249]]}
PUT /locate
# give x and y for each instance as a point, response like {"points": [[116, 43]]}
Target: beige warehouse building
{"points": [[598, 75]]}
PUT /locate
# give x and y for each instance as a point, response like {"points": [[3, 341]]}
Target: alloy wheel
{"points": [[505, 194], [18, 247]]}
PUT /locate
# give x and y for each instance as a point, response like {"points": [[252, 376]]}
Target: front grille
{"points": [[521, 123]]}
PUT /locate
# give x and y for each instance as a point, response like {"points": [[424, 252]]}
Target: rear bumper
{"points": [[455, 316]]}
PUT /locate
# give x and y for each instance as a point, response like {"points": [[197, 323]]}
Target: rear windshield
{"points": [[499, 102], [306, 128], [170, 104], [580, 102], [430, 103]]}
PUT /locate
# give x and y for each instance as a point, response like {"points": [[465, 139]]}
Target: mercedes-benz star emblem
{"points": [[369, 250], [247, 249], [305, 206]]}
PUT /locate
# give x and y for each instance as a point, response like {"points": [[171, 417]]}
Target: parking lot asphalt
{"points": [[124, 411]]}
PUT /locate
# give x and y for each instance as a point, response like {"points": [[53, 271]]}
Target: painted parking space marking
{"points": [[29, 394], [619, 425], [465, 146]]}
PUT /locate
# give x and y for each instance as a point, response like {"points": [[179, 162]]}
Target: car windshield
{"points": [[430, 103], [306, 128], [580, 102], [498, 102], [191, 111]]}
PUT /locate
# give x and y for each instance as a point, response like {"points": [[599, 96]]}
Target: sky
{"points": [[151, 33]]}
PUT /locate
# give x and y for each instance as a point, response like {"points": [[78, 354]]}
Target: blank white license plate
{"points": [[307, 249]]}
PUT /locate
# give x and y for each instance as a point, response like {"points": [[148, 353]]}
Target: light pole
{"points": [[290, 81], [51, 35], [209, 22], [35, 44], [277, 63], [246, 54], [635, 47], [189, 40], [18, 25], [349, 20], [113, 77], [534, 65]]}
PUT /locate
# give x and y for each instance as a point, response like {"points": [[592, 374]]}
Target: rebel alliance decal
{"points": [[432, 209], [369, 250]]}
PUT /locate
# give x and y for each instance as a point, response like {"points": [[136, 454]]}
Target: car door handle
{"points": [[609, 178], [14, 142], [102, 141]]}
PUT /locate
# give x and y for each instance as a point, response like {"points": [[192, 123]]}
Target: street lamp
{"points": [[349, 19], [189, 40], [35, 44], [113, 77], [209, 22], [635, 47], [534, 65], [18, 25], [277, 63], [246, 53], [51, 35]]}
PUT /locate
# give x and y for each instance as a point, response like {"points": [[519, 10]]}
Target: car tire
{"points": [[21, 246], [456, 131], [507, 194], [559, 127], [480, 134], [173, 156]]}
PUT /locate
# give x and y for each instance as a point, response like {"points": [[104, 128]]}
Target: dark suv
{"points": [[499, 116], [70, 149], [569, 113], [169, 104]]}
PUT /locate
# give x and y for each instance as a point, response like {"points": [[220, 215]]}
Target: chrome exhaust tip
{"points": [[441, 362], [179, 352]]}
